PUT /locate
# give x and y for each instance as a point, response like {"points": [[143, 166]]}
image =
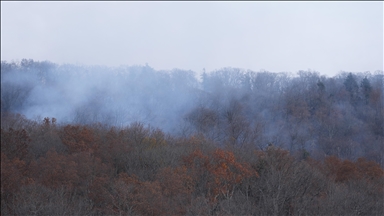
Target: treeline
{"points": [[96, 169], [305, 113], [135, 141]]}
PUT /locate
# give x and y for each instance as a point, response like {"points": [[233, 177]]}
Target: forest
{"points": [[132, 140]]}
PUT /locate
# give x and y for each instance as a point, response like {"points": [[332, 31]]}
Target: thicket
{"points": [[50, 169]]}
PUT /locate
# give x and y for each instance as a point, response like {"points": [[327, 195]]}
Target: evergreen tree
{"points": [[366, 89], [352, 87]]}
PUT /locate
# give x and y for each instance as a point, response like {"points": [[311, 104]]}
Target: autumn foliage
{"points": [[138, 170]]}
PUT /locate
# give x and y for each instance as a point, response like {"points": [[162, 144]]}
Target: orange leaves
{"points": [[222, 170], [196, 160], [228, 172], [343, 171], [96, 168], [77, 138]]}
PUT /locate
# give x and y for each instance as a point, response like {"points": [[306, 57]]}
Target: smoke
{"points": [[88, 94], [230, 106]]}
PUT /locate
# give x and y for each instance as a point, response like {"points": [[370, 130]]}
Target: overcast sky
{"points": [[275, 36]]}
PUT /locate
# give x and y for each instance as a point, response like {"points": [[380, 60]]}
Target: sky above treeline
{"points": [[327, 37]]}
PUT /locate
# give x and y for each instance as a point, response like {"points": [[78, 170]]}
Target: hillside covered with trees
{"points": [[94, 140]]}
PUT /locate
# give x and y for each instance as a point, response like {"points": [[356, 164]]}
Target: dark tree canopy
{"points": [[95, 140]]}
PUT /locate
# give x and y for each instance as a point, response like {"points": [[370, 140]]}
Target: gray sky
{"points": [[273, 36]]}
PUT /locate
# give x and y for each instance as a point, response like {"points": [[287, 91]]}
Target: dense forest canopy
{"points": [[341, 115], [230, 141]]}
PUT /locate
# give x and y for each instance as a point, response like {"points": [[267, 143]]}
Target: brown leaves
{"points": [[74, 171], [228, 172], [77, 138], [138, 170], [57, 170], [343, 171], [175, 182], [145, 198], [14, 143], [347, 171], [369, 169], [10, 177], [168, 194], [100, 194], [221, 169]]}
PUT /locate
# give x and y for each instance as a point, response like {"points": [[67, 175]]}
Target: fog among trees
{"points": [[130, 140]]}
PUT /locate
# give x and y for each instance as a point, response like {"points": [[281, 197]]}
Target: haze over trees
{"points": [[80, 140]]}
